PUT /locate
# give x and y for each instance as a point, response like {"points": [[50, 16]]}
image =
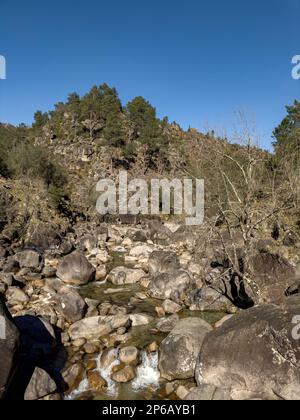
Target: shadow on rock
{"points": [[41, 347]]}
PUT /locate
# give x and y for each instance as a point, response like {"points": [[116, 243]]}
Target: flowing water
{"points": [[147, 384]]}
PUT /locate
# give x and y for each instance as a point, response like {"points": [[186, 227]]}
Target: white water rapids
{"points": [[147, 374]]}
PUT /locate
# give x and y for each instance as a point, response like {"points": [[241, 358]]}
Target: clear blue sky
{"points": [[196, 61]]}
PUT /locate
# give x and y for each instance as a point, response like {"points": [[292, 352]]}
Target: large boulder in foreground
{"points": [[40, 386], [9, 343], [38, 336], [179, 351], [76, 269], [255, 354]]}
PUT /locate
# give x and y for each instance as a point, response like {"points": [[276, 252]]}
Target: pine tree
{"points": [[287, 134], [40, 120], [148, 130]]}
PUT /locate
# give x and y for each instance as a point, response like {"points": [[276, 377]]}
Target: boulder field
{"points": [[109, 306]]}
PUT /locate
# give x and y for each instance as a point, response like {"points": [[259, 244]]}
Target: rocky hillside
{"points": [[92, 307]]}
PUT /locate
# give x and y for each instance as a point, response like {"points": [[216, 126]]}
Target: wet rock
{"points": [[118, 367], [153, 347], [124, 375], [72, 376], [116, 340], [96, 382], [183, 343], [41, 385], [254, 351], [163, 262], [107, 358], [90, 365], [70, 304], [129, 356], [76, 269], [9, 345], [121, 276], [91, 348]]}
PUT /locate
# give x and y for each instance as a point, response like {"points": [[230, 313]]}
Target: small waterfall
{"points": [[82, 388], [147, 373], [106, 373]]}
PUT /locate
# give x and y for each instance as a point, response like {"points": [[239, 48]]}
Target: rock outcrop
{"points": [[254, 354]]}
